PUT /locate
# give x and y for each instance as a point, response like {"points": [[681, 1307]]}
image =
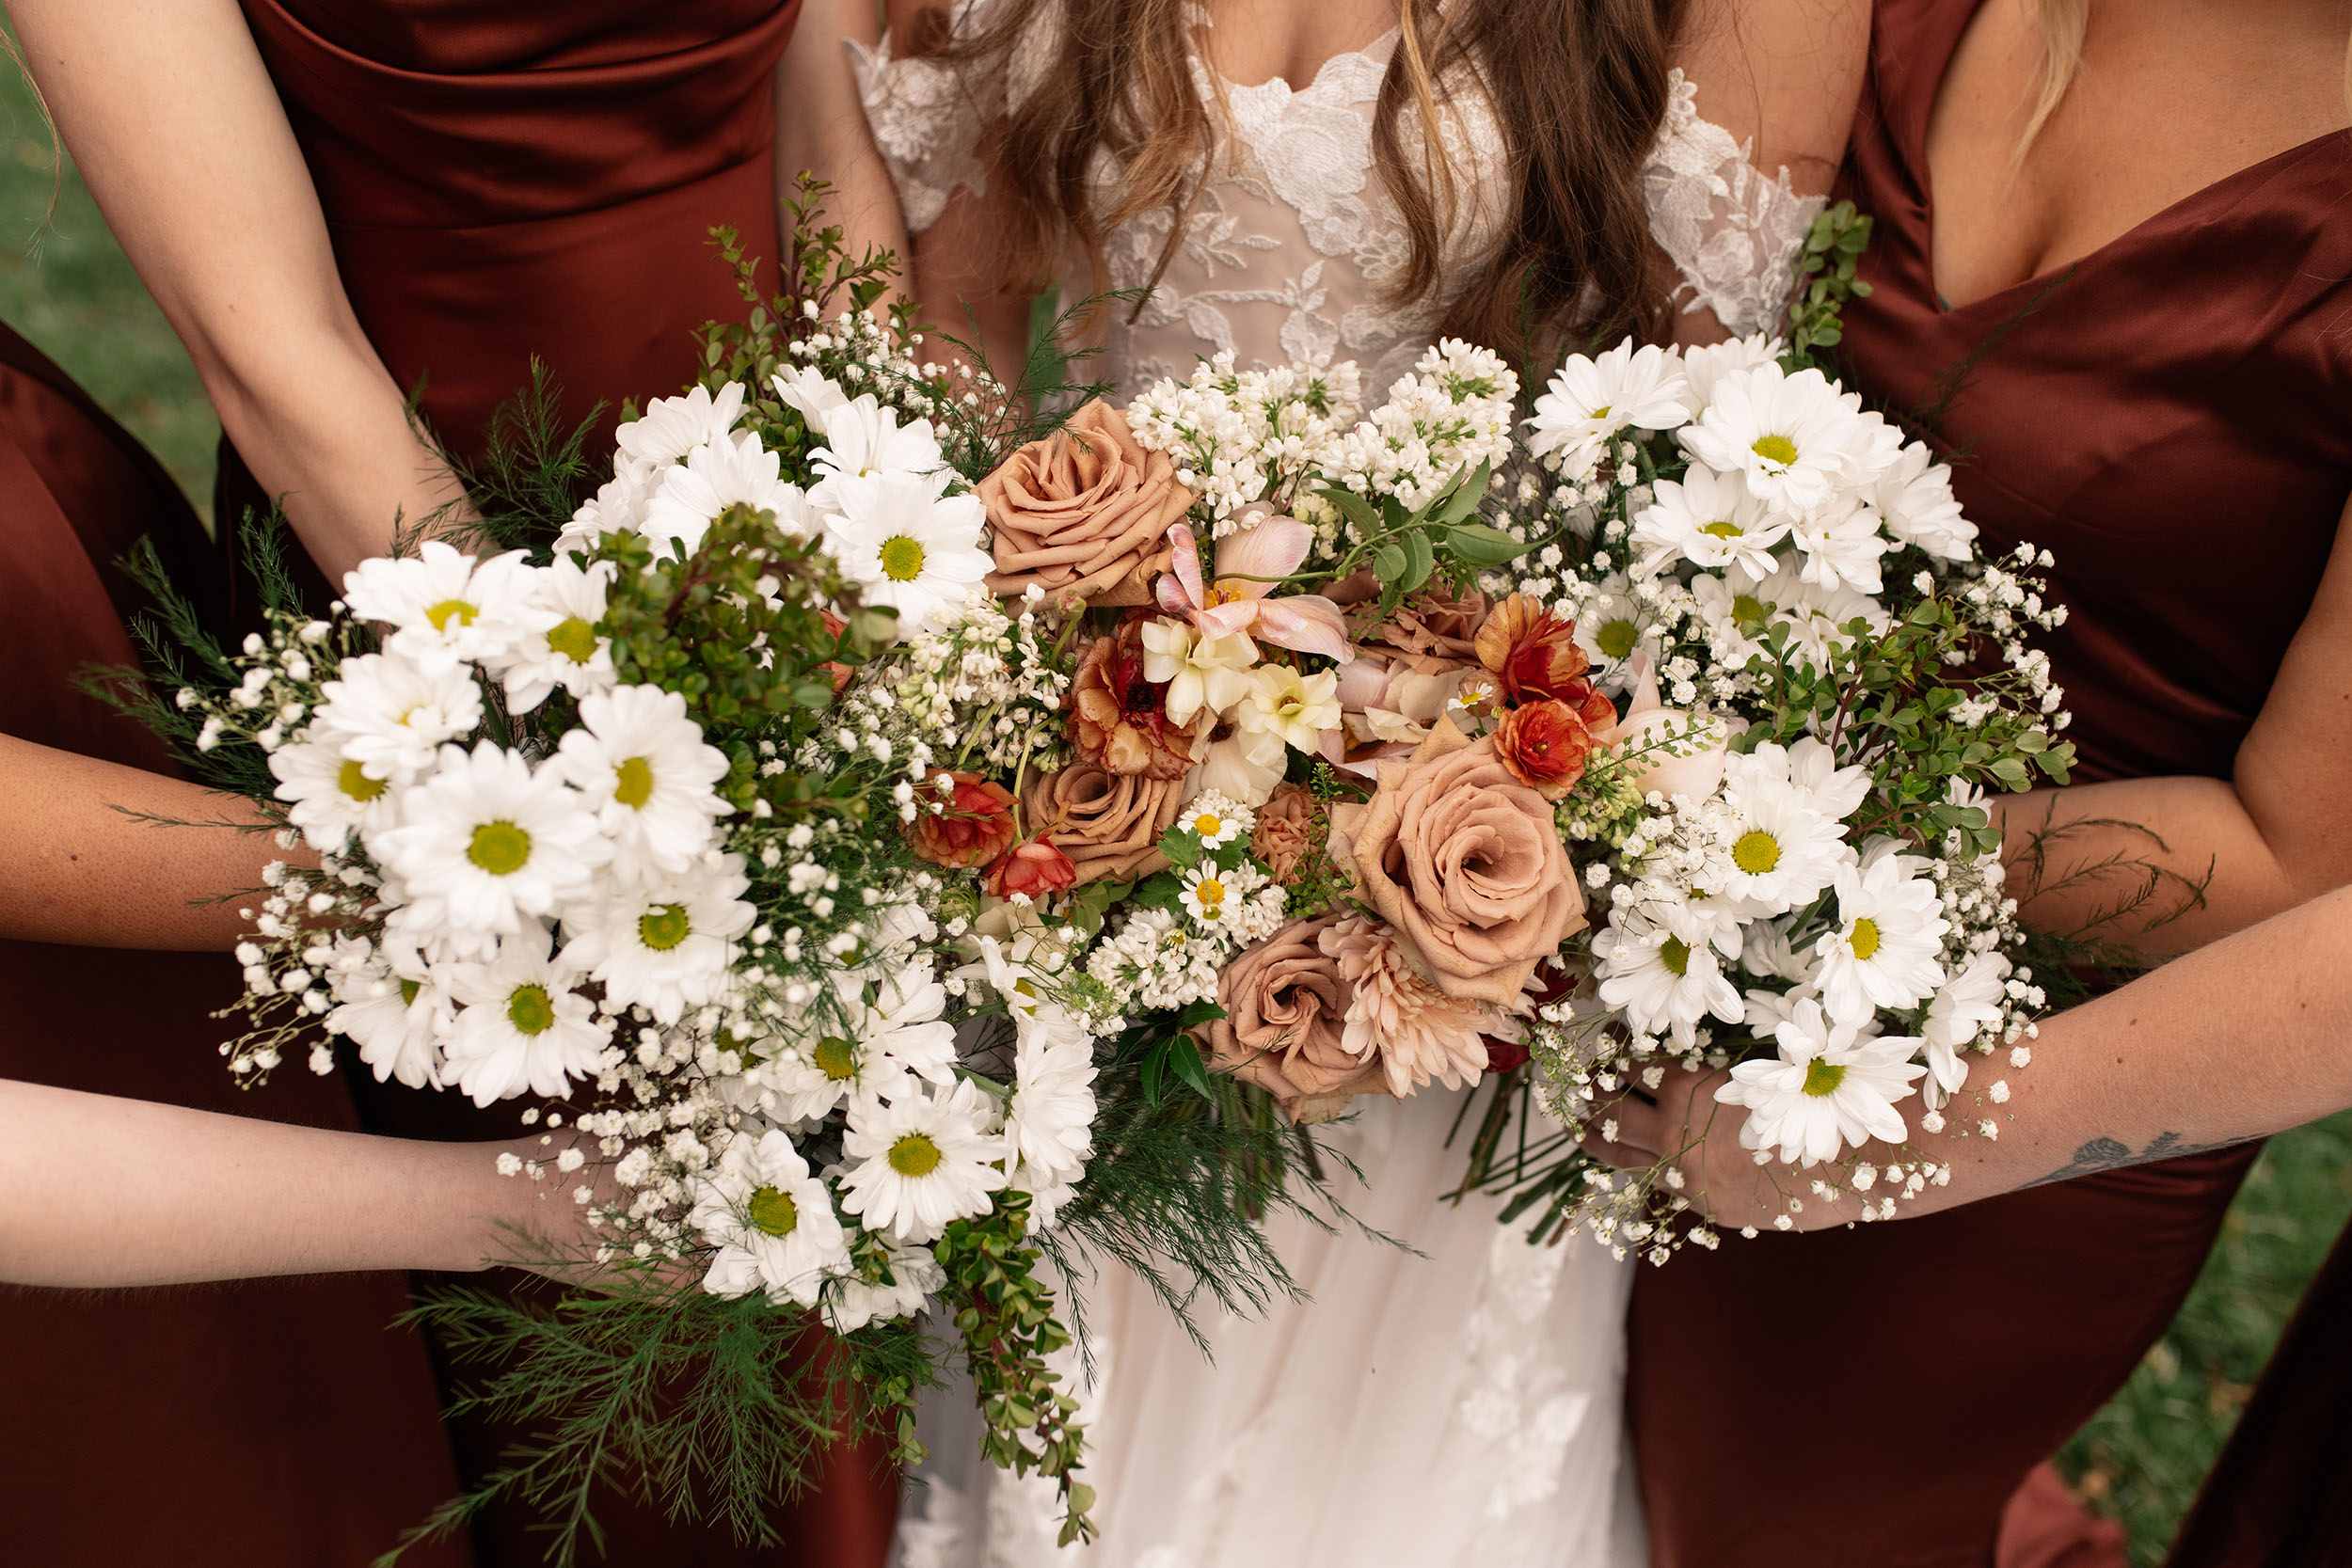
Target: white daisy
{"points": [[394, 1008], [1817, 617], [643, 766], [1666, 980], [919, 1161], [1809, 765], [391, 715], [1765, 949], [1590, 399], [1827, 1090], [1612, 628], [1839, 547], [1211, 673], [730, 471], [1915, 498], [862, 441], [445, 608], [1049, 1124], [562, 647], [903, 1283], [809, 392], [770, 1222], [485, 844], [911, 548], [1300, 709], [1783, 850], [1798, 442], [1213, 896], [1886, 949], [618, 507], [1216, 819], [330, 795], [666, 945], [524, 1026], [672, 427], [1734, 617], [1711, 520], [1708, 364], [1960, 1011]]}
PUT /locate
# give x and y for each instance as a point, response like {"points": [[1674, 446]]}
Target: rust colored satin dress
{"points": [[269, 1424], [509, 178], [2172, 418]]}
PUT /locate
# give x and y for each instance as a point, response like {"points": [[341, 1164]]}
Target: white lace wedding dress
{"points": [[1448, 1406]]}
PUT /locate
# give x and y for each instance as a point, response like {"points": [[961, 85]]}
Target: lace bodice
{"points": [[1287, 254]]}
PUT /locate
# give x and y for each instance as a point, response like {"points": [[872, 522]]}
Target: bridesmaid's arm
{"points": [[81, 871], [177, 129], [2243, 1038], [2276, 833], [105, 1192], [820, 126]]}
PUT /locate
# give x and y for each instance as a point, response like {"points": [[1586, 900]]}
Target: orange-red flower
{"points": [[1544, 744], [1533, 652], [1035, 869], [975, 828]]}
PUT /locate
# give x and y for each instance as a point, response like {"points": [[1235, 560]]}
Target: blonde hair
{"points": [[2063, 24]]}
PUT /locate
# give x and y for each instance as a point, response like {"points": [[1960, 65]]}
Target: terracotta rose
{"points": [[1085, 511], [1284, 1004], [1110, 824], [1465, 864]]}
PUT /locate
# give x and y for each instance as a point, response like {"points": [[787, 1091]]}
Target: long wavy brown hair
{"points": [[1578, 87]]}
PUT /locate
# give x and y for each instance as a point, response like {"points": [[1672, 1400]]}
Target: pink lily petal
{"points": [[1646, 698], [1185, 564], [1273, 548], [1308, 623], [1233, 615]]}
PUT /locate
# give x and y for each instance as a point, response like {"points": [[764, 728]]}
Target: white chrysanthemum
{"points": [[1216, 819], [1765, 949], [919, 1161], [1733, 618], [643, 766], [672, 427], [1783, 850], [391, 715], [485, 844], [909, 548], [1886, 949], [1839, 545], [1705, 365], [1611, 628], [1666, 980], [771, 1221], [1211, 673], [1299, 708], [394, 1008], [1808, 764], [618, 507], [1590, 399], [1711, 520], [664, 945], [330, 795], [850, 1303], [1960, 1011], [1798, 442], [1915, 500], [1827, 1090], [1215, 896], [445, 608], [864, 1050], [1049, 1124], [809, 392], [1816, 617], [727, 472], [524, 1026], [862, 441], [562, 648]]}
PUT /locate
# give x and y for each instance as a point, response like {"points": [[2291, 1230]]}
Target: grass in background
{"points": [[64, 284], [68, 288]]}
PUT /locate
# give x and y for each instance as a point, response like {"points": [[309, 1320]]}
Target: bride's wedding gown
{"points": [[1452, 1404]]}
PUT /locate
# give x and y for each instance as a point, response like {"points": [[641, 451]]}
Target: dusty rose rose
{"points": [[1533, 652], [1084, 513], [1119, 718], [1036, 868], [1417, 1033], [1464, 862], [1282, 1030], [976, 828], [1109, 824], [1544, 745], [1285, 831]]}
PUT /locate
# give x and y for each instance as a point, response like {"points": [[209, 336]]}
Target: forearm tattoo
{"points": [[2114, 1154]]}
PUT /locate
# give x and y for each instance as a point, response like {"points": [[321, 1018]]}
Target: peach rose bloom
{"points": [[1283, 1026], [1465, 863], [1083, 513], [1110, 824], [1285, 831]]}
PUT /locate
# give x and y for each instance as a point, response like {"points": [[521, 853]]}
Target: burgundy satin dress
{"points": [[269, 1424], [2172, 417], [503, 179]]}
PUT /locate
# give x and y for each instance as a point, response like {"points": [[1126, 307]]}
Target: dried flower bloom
{"points": [[1418, 1032]]}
